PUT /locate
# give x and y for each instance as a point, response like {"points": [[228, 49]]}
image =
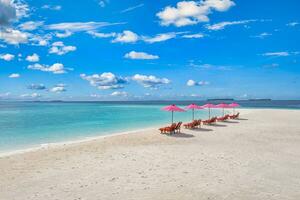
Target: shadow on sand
{"points": [[241, 119], [217, 125], [231, 122], [182, 135], [202, 129]]}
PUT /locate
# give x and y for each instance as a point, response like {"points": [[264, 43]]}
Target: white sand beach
{"points": [[256, 157]]}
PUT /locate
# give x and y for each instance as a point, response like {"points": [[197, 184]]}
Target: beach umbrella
{"points": [[193, 107], [209, 106], [223, 105], [234, 105], [173, 108]]}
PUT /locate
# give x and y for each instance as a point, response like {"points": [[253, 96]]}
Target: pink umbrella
{"points": [[223, 105], [234, 105], [193, 107], [173, 108], [209, 106]]}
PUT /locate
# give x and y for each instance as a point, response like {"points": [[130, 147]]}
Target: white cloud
{"points": [[78, 26], [64, 34], [30, 25], [33, 95], [126, 37], [52, 7], [11, 11], [273, 65], [192, 12], [262, 35], [119, 94], [105, 80], [197, 35], [191, 83], [160, 37], [7, 57], [222, 25], [58, 88], [33, 58], [5, 94], [40, 40], [140, 56], [60, 49], [101, 35], [14, 37], [278, 54], [150, 81], [36, 87], [56, 68], [132, 8], [292, 24], [103, 3], [14, 76]]}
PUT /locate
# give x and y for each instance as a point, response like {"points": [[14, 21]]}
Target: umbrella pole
{"points": [[209, 113], [172, 116], [193, 114], [223, 112]]}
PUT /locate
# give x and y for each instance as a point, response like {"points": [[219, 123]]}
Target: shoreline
{"points": [[254, 157], [52, 145]]}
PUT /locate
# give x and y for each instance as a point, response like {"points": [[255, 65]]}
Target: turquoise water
{"points": [[30, 124]]}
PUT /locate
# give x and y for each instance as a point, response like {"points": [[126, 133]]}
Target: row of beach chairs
{"points": [[176, 127]]}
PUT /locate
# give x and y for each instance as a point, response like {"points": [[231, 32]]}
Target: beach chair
{"points": [[168, 129], [178, 127]]}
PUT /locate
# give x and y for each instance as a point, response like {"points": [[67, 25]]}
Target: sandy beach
{"points": [[256, 157]]}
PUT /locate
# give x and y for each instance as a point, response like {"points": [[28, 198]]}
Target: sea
{"points": [[26, 125]]}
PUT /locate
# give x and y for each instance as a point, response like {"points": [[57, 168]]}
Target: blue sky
{"points": [[140, 50]]}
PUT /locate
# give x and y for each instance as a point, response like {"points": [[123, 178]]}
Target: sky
{"points": [[140, 50]]}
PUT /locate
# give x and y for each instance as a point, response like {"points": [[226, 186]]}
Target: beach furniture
{"points": [[173, 108], [193, 107], [223, 105], [193, 124], [168, 129], [236, 116], [210, 121], [178, 127], [209, 106], [233, 106], [224, 118]]}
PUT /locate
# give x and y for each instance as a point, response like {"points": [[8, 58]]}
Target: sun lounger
{"points": [[171, 129], [194, 124]]}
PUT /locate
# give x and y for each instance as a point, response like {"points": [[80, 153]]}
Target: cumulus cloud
{"points": [[104, 81], [40, 40], [126, 37], [150, 81], [30, 25], [33, 58], [78, 26], [14, 76], [191, 83], [140, 56], [58, 88], [52, 7], [63, 34], [33, 95], [11, 11], [56, 68], [7, 57], [192, 12], [119, 94], [12, 36], [103, 3], [36, 87], [223, 25], [101, 35], [60, 49]]}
